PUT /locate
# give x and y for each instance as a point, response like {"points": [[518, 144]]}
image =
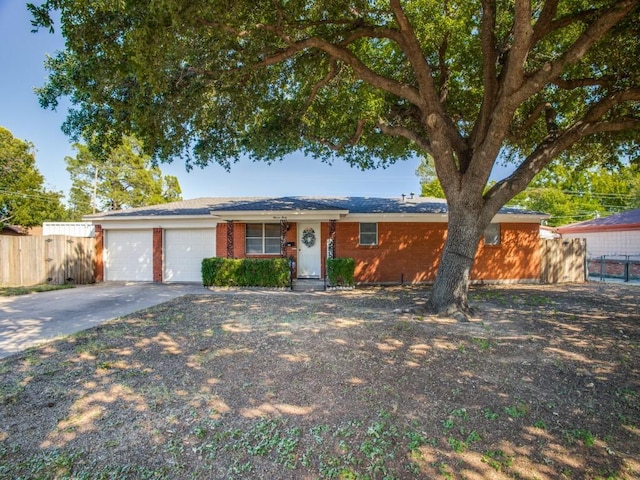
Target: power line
{"points": [[29, 195]]}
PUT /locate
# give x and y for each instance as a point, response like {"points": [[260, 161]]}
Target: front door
{"points": [[309, 250]]}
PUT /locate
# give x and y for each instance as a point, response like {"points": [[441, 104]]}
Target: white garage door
{"points": [[129, 255], [184, 251]]}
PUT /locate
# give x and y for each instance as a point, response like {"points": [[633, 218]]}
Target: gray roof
{"points": [[630, 218], [209, 206]]}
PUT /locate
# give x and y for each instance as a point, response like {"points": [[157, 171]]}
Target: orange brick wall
{"points": [[157, 255], [410, 253], [221, 240], [99, 254], [517, 256], [406, 252]]}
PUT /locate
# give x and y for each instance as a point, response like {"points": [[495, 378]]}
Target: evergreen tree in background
{"points": [[125, 178]]}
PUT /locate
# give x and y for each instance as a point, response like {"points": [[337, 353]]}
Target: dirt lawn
{"points": [[545, 384]]}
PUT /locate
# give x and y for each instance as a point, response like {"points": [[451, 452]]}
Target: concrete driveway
{"points": [[28, 320]]}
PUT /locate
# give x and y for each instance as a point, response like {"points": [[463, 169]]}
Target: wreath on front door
{"points": [[309, 237]]}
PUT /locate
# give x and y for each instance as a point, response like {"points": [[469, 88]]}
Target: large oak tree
{"points": [[466, 82]]}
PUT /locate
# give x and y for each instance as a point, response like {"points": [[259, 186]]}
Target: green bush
{"points": [[340, 272], [245, 272]]}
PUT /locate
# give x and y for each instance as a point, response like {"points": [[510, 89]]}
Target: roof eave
{"points": [[119, 218], [598, 228], [289, 215]]}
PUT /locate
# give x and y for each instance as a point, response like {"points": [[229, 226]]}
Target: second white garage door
{"points": [[184, 251], [129, 255]]}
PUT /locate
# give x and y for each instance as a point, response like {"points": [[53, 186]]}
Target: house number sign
{"points": [[309, 237]]}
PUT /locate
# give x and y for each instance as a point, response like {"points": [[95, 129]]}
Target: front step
{"points": [[308, 285]]}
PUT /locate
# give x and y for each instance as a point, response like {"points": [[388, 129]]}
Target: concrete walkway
{"points": [[28, 320]]}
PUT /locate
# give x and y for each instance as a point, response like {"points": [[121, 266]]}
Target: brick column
{"points": [[157, 255], [284, 228], [230, 249], [332, 238], [98, 262]]}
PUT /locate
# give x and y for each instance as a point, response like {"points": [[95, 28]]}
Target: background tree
{"points": [[371, 81], [24, 200], [125, 178], [572, 194], [429, 183]]}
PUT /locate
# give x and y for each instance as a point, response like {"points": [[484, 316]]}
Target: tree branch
{"points": [[336, 147], [398, 131], [343, 54], [445, 136], [413, 51], [534, 116], [522, 35], [601, 108], [516, 88], [444, 69], [570, 84], [556, 142], [489, 69], [591, 35], [333, 72], [545, 19], [372, 32], [546, 23]]}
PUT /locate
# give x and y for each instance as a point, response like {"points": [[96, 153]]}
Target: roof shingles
{"points": [[209, 206]]}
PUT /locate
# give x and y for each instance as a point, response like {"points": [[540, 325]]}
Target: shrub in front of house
{"points": [[245, 272], [340, 272]]}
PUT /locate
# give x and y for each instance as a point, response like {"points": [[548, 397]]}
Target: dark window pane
{"points": [[272, 245], [272, 230], [492, 234], [254, 230], [254, 245]]}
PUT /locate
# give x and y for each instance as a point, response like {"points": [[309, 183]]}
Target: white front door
{"points": [[309, 249]]}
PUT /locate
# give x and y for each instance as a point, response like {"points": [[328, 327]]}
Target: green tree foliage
{"points": [[572, 194], [370, 81], [125, 178], [24, 200], [429, 183]]}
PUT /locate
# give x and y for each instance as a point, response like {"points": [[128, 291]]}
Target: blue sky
{"points": [[22, 56]]}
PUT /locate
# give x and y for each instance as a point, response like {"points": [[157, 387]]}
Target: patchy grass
{"points": [[253, 385], [13, 291]]}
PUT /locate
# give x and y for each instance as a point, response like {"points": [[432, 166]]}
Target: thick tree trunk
{"points": [[449, 294]]}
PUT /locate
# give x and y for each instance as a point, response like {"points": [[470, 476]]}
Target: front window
{"points": [[263, 239], [368, 234], [492, 234]]}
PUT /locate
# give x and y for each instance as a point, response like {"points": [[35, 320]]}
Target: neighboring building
{"points": [[615, 235], [548, 233], [613, 244], [13, 230], [70, 229], [392, 240]]}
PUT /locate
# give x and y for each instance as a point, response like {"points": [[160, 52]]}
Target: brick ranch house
{"points": [[393, 240]]}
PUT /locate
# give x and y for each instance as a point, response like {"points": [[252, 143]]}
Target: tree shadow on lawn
{"points": [[244, 384]]}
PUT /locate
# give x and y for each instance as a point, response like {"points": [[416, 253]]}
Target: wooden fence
{"points": [[55, 259], [563, 260]]}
